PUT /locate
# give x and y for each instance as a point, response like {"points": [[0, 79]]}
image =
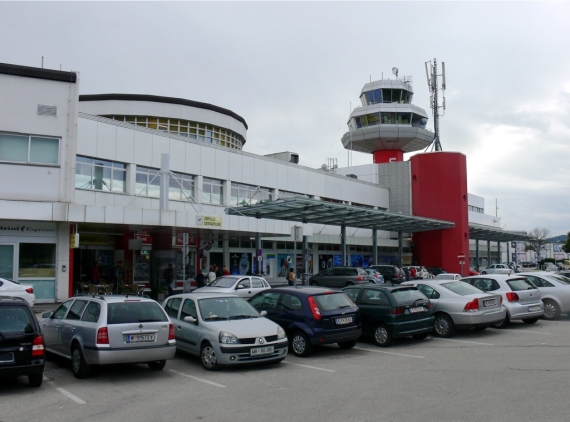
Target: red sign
{"points": [[145, 238], [180, 241], [461, 256]]}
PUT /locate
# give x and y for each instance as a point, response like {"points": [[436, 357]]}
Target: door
{"points": [[374, 307], [432, 294], [243, 288], [188, 334], [7, 261], [52, 325]]}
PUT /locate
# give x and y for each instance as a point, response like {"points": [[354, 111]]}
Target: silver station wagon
{"points": [[99, 330], [224, 329]]}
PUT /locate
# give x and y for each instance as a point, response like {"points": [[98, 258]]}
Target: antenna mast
{"points": [[431, 74]]}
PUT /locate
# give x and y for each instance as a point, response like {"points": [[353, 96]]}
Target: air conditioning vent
{"points": [[47, 110]]}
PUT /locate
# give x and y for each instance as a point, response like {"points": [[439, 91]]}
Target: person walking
{"points": [[95, 276], [291, 277], [169, 276], [211, 274], [413, 273], [225, 270]]}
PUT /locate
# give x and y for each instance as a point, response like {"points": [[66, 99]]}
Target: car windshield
{"points": [[461, 288], [408, 295], [223, 282], [130, 312], [224, 308], [333, 301], [15, 319], [560, 278]]}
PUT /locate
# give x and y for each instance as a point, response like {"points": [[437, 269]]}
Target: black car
{"points": [[435, 270], [391, 273], [21, 343], [311, 316], [389, 312], [340, 277]]}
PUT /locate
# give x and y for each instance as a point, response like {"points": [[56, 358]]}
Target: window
{"points": [[92, 173], [212, 191], [430, 292], [59, 313], [172, 307], [352, 293], [188, 309], [147, 182], [37, 260], [181, 187], [291, 302], [29, 149], [92, 312], [76, 309], [257, 283], [249, 195], [265, 301]]}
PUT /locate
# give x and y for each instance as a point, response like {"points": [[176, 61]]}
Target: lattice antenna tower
{"points": [[434, 89]]}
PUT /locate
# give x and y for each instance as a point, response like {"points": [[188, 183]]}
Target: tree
{"points": [[566, 246], [538, 242]]}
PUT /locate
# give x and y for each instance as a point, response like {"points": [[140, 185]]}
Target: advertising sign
{"points": [[208, 220]]}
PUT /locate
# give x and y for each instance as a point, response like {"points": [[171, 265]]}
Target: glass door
{"points": [[7, 261]]}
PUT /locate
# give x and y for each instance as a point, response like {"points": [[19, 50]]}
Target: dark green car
{"points": [[389, 312]]}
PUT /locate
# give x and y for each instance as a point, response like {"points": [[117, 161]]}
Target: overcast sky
{"points": [[293, 70]]}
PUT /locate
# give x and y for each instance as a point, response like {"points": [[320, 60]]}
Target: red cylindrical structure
{"points": [[387, 156]]}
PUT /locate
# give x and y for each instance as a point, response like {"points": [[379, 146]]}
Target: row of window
{"points": [[390, 118], [194, 130], [29, 149], [386, 95], [475, 209]]}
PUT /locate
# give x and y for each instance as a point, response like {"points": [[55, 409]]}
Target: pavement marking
{"points": [[310, 367], [463, 341], [390, 353], [198, 379], [524, 331], [64, 392]]}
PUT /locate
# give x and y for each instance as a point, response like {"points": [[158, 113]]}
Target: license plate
{"points": [[341, 321], [137, 338], [261, 351], [487, 303], [533, 308], [7, 357], [418, 309]]}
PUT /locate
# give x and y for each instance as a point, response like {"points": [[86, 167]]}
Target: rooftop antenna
{"points": [[431, 74], [395, 71]]}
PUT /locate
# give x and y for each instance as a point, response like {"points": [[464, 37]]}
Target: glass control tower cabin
{"points": [[388, 124]]}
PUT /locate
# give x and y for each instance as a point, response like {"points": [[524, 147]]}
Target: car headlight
{"points": [[280, 333], [228, 338]]}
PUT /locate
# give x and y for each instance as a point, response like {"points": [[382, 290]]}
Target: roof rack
{"points": [[12, 297]]}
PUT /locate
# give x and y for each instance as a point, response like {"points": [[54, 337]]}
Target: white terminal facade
{"points": [[88, 165]]}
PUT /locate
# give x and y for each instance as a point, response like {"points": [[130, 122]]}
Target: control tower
{"points": [[387, 124]]}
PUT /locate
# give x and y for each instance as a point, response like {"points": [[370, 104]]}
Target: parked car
{"points": [[528, 265], [241, 285], [520, 296], [421, 272], [497, 269], [565, 273], [340, 277], [554, 292], [392, 311], [311, 316], [374, 276], [15, 289], [100, 330], [458, 305], [21, 342], [224, 330], [435, 270], [549, 266], [448, 276], [473, 272], [391, 273]]}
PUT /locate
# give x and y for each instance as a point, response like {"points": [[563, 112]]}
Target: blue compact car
{"points": [[311, 316]]}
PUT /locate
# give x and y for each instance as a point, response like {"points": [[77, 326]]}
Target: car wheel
{"points": [[382, 336], [420, 336], [208, 357], [79, 367], [530, 320], [484, 272], [443, 326], [347, 344], [35, 380], [503, 323], [157, 365], [300, 344], [313, 283], [551, 310], [349, 283]]}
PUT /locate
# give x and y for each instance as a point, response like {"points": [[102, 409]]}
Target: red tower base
{"points": [[439, 191], [387, 156]]}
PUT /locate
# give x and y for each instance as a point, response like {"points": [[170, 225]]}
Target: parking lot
{"points": [[517, 374]]}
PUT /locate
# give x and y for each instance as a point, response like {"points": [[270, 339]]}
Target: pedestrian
{"points": [[199, 280], [217, 271], [413, 273], [169, 277], [95, 276], [211, 274], [225, 270], [117, 274], [291, 277]]}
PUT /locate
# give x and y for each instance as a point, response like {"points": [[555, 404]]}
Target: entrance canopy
{"points": [[305, 210], [479, 232]]}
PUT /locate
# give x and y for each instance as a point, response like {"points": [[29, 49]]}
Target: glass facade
{"points": [[188, 129], [212, 191], [387, 95], [249, 195], [147, 182], [390, 118], [92, 173], [29, 149], [181, 187]]}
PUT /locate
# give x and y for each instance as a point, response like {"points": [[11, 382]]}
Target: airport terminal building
{"points": [[90, 180]]}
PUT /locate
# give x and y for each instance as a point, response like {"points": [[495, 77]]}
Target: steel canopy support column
{"points": [[508, 251], [488, 253], [477, 264], [375, 246], [257, 251], [305, 254], [500, 258], [226, 251], [343, 244], [400, 249]]}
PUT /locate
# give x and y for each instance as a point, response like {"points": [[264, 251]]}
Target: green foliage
{"points": [[566, 246]]}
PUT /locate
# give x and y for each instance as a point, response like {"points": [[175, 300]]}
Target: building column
{"points": [[400, 249], [477, 263], [343, 245], [375, 245], [488, 253]]}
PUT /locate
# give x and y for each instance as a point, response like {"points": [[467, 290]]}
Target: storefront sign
{"points": [[145, 238], [208, 220], [180, 242], [74, 241], [97, 239], [28, 229]]}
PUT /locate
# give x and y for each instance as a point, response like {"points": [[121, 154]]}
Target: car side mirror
{"points": [[241, 286], [263, 313], [190, 319], [46, 314]]}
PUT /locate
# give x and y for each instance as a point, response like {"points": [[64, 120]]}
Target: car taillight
{"points": [[398, 310], [472, 306], [359, 278], [171, 332], [30, 290], [102, 336], [429, 305], [38, 347], [314, 309], [512, 297]]}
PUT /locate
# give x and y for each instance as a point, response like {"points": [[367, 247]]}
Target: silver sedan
{"points": [[458, 305], [241, 285], [554, 291], [520, 296]]}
